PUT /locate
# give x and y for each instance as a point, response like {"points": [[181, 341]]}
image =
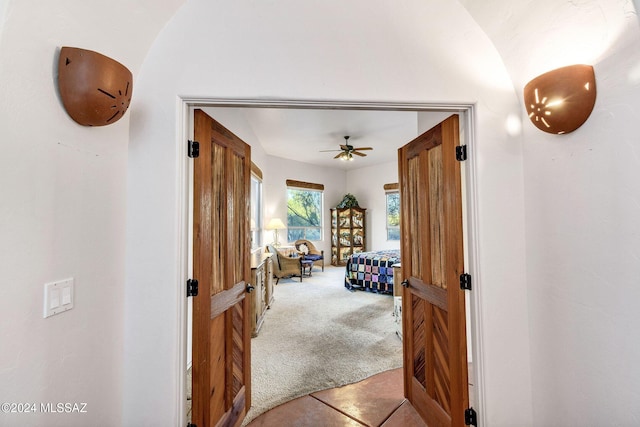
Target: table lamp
{"points": [[275, 224]]}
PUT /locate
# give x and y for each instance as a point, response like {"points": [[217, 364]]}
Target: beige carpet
{"points": [[318, 335]]}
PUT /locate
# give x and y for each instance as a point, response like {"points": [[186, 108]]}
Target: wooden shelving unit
{"points": [[348, 233]]}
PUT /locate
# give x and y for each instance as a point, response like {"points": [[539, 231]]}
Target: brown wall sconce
{"points": [[95, 89], [561, 100]]}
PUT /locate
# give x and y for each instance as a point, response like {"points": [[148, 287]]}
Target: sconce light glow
{"points": [[634, 74], [513, 125], [561, 100]]}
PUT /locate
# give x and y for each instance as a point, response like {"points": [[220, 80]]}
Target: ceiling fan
{"points": [[347, 151]]}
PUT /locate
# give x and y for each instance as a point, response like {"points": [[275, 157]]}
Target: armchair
{"points": [[312, 253], [284, 266]]}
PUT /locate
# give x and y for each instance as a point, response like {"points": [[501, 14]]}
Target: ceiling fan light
{"points": [[348, 151]]}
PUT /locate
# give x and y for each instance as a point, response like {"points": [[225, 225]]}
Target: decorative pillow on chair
{"points": [[303, 248]]}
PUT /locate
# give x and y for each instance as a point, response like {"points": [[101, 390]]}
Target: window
{"points": [[256, 210], [304, 211], [393, 215]]}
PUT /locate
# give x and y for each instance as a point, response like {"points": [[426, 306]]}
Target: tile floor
{"points": [[376, 401]]}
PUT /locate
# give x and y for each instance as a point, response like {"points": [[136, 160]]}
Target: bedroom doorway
{"points": [[466, 113]]}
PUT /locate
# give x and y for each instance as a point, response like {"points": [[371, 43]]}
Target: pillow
{"points": [[303, 248]]}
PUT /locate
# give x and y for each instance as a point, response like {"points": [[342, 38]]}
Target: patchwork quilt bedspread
{"points": [[371, 270]]}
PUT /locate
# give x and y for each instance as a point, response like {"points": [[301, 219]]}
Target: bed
{"points": [[371, 271]]}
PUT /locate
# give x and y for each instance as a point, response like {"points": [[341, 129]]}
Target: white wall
{"points": [[582, 228], [581, 211], [367, 184], [277, 171], [3, 14], [368, 51], [62, 211]]}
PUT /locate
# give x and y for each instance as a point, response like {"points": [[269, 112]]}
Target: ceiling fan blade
{"points": [[363, 148], [327, 151], [339, 155], [359, 154]]}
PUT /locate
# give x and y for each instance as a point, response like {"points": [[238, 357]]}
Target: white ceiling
{"points": [[301, 134]]}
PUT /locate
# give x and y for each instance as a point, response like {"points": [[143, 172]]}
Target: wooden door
{"points": [[435, 355], [221, 331]]}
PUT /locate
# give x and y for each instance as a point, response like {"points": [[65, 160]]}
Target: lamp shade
{"points": [[561, 100], [275, 224]]}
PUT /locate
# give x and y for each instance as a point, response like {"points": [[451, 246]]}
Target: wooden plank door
{"points": [[435, 355], [221, 331]]}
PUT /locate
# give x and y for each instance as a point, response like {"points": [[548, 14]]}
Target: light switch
{"points": [[66, 295], [54, 300], [58, 297]]}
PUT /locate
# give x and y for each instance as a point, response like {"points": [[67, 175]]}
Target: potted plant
{"points": [[348, 201]]}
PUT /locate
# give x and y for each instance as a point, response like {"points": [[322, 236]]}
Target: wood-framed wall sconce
{"points": [[561, 100], [95, 89]]}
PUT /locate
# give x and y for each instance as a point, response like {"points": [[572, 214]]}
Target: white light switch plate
{"points": [[58, 297]]}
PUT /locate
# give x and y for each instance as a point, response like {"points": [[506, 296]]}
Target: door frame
{"points": [[184, 172]]}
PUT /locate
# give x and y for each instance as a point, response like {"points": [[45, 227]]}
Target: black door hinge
{"points": [[194, 149], [461, 153], [192, 288], [465, 281], [191, 425], [470, 417]]}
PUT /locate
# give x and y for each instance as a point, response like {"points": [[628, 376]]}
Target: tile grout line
{"points": [[338, 410], [393, 412]]}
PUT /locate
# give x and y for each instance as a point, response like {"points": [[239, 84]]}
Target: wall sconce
{"points": [[275, 224], [95, 89], [561, 100]]}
